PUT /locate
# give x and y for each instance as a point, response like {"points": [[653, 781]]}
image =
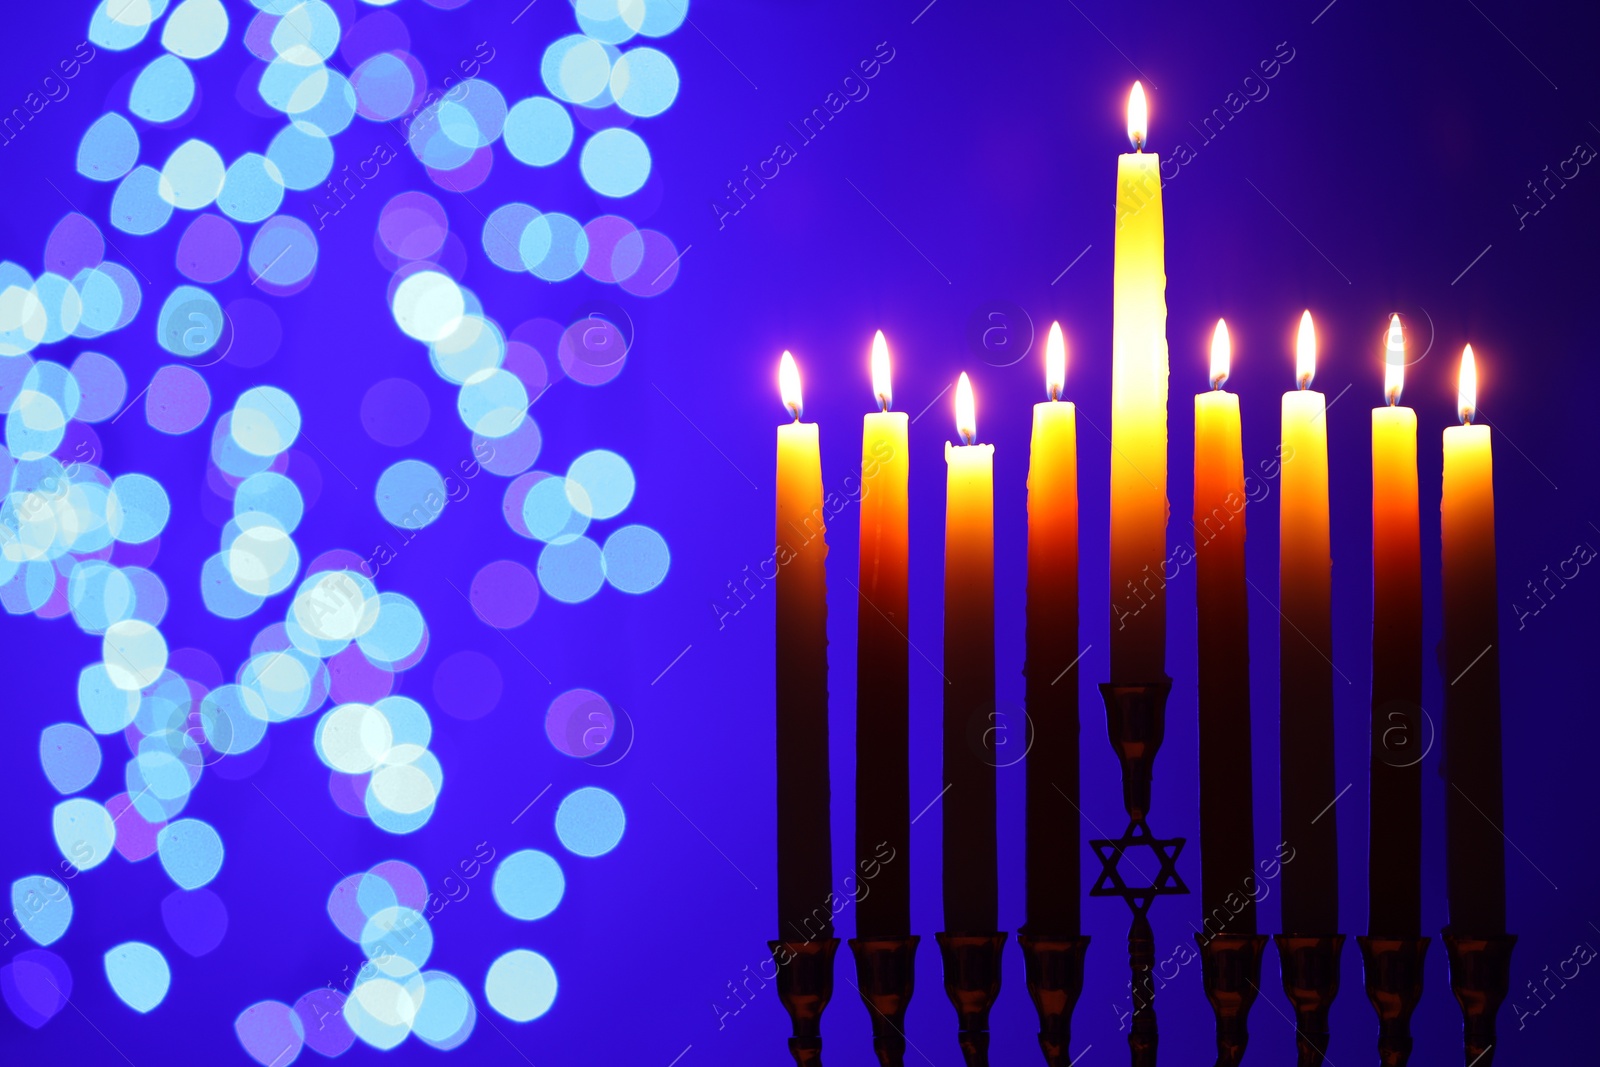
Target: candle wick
{"points": [[883, 402], [968, 437], [1217, 382], [794, 409], [1304, 381], [1055, 392]]}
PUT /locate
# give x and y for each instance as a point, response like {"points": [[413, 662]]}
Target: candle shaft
{"points": [[971, 892], [804, 842], [1394, 868], [1139, 426], [883, 816], [1305, 643], [1051, 674], [1227, 841], [1475, 867]]}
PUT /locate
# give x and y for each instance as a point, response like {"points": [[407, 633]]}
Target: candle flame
{"points": [[880, 372], [1221, 354], [1138, 118], [1305, 352], [789, 385], [1394, 362], [1055, 362], [1467, 390], [966, 411]]}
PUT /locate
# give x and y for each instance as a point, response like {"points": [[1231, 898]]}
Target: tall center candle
{"points": [[804, 843], [883, 814], [1227, 841], [1051, 663], [1139, 414], [1475, 855], [1305, 658], [1394, 867], [971, 889]]}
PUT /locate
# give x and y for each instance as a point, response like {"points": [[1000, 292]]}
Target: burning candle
{"points": [[1053, 881], [971, 892], [1305, 658], [1139, 415], [883, 815], [804, 844], [1227, 842], [1394, 870], [1475, 861]]}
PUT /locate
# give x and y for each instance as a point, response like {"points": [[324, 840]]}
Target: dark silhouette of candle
{"points": [[1394, 867], [804, 875], [1305, 663], [1475, 856], [1227, 840], [883, 784], [1054, 881], [971, 887]]}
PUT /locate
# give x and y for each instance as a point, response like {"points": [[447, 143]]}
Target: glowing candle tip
{"points": [[1138, 118], [880, 372], [1305, 352], [1394, 362], [789, 385], [1055, 363], [1467, 388], [966, 411], [1221, 354]]}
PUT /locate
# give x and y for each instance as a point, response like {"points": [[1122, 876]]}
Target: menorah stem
{"points": [[1136, 717], [1142, 1035]]}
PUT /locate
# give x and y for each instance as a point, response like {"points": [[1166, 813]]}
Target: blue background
{"points": [[1378, 175]]}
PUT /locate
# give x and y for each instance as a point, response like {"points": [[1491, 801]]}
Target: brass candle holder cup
{"points": [[1054, 967], [1230, 966], [1480, 978], [972, 982], [805, 985], [1311, 982], [886, 976], [1393, 970]]}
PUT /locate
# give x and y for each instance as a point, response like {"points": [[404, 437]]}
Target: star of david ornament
{"points": [[1165, 850]]}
